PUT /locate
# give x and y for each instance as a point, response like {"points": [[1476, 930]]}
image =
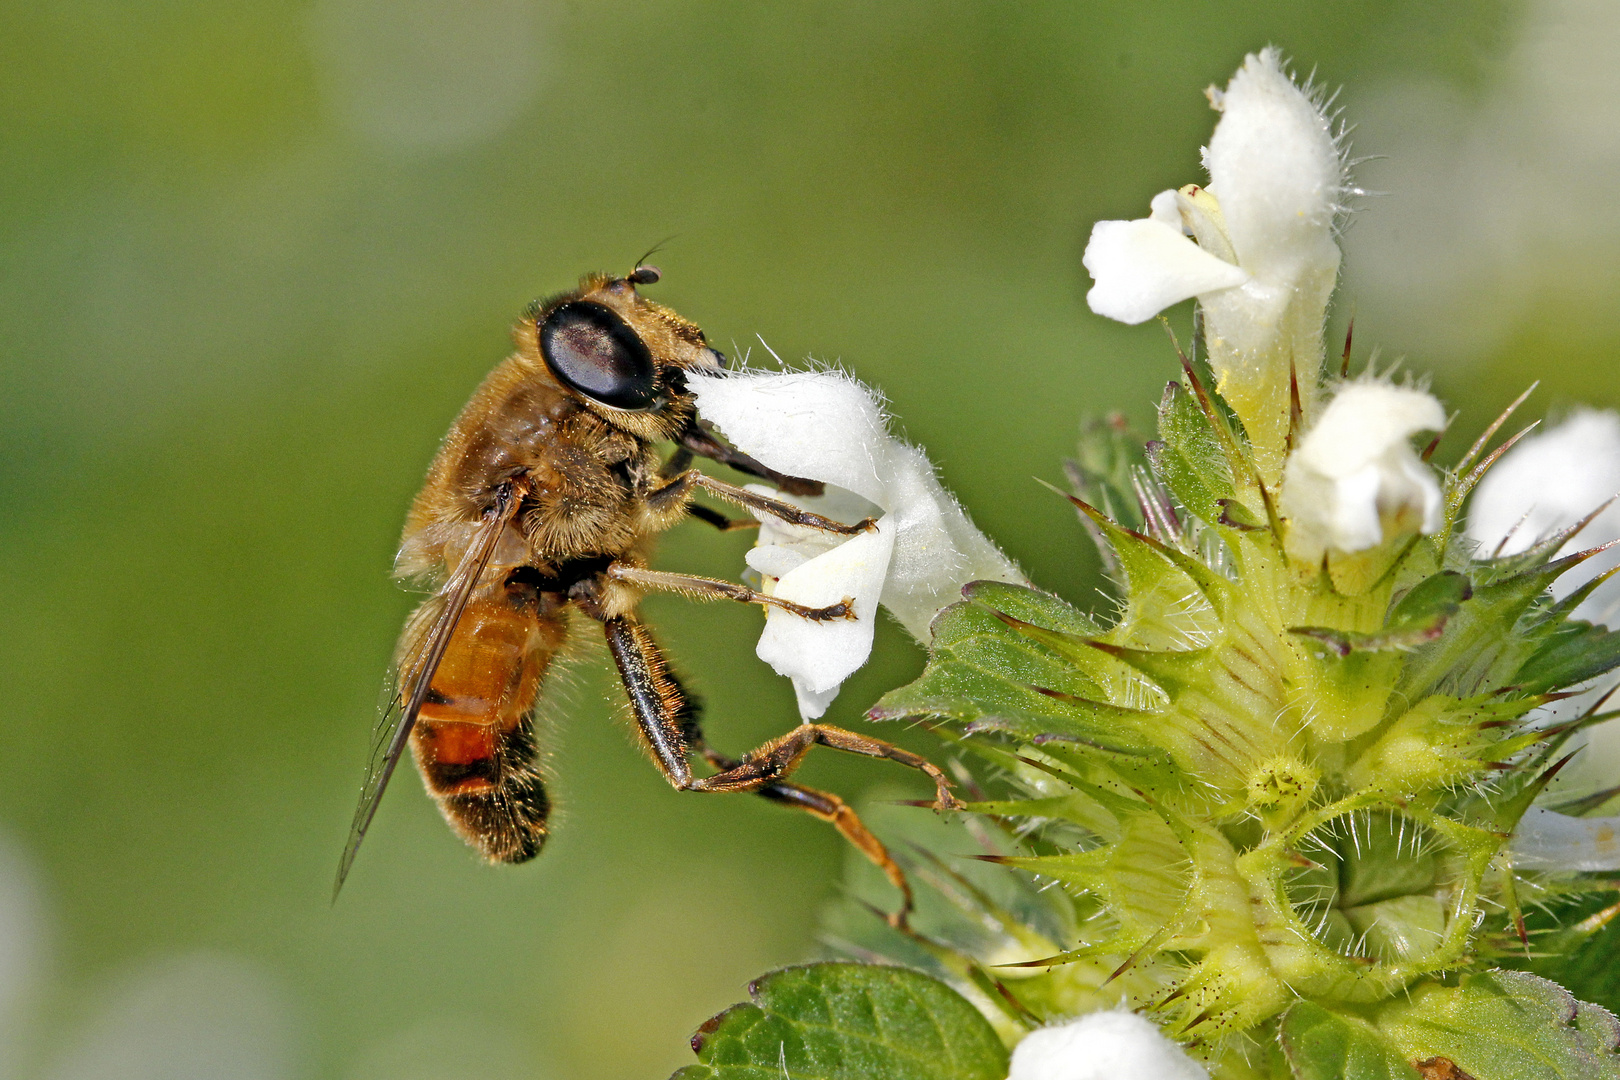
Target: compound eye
{"points": [[593, 351]]}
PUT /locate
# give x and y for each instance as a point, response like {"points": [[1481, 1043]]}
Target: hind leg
{"points": [[668, 722]]}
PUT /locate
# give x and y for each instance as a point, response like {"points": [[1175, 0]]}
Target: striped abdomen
{"points": [[474, 738]]}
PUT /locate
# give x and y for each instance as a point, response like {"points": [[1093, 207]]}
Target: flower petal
{"points": [[1548, 840], [1352, 516], [780, 546], [1364, 421], [937, 549], [819, 656], [825, 426], [1109, 1045], [1548, 482], [1276, 175], [1142, 267], [1275, 168], [1355, 474], [822, 425]]}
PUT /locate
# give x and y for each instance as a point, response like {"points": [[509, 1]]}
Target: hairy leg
{"points": [[668, 722], [704, 588]]}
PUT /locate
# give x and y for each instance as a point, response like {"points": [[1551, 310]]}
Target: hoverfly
{"points": [[536, 521]]}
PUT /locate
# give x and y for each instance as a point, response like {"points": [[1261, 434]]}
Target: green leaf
{"points": [[1321, 1045], [1505, 1024], [848, 1022], [1572, 654], [1031, 606], [1188, 458], [984, 672], [1478, 647], [1585, 956], [1431, 600]]}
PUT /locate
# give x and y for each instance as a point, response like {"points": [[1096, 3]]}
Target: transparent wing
{"points": [[422, 646]]}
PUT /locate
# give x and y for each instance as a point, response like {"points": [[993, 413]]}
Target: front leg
{"points": [[719, 520], [699, 438], [678, 490]]}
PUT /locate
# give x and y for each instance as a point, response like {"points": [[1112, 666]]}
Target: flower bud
{"points": [[1355, 479]]}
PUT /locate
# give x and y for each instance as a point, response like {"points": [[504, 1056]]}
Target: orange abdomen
{"points": [[474, 739]]}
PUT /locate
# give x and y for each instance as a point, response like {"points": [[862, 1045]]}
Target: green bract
{"points": [[1268, 789], [1270, 802]]}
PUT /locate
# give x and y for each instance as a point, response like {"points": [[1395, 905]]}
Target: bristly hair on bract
{"points": [[1258, 787]]}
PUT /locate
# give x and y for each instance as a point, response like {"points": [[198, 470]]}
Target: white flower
{"points": [[1355, 475], [1547, 483], [823, 425], [1547, 840], [1264, 261], [1115, 1045], [1142, 267]]}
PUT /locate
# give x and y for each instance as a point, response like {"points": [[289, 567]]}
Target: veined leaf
{"points": [[1505, 1024], [848, 1022], [1322, 1045]]}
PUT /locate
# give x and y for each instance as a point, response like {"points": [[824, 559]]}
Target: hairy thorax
{"points": [[585, 480]]}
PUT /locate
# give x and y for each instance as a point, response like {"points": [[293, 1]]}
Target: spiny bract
{"points": [[1269, 781]]}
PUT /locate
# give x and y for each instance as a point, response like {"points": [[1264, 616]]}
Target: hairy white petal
{"points": [[1548, 482], [1142, 267], [1264, 228], [819, 656], [1165, 208], [813, 706], [1364, 422], [1275, 168], [1355, 472], [937, 549], [1352, 512], [1115, 1045], [779, 546], [1547, 840], [823, 425]]}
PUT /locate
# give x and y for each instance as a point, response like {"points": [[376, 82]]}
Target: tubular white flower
{"points": [[1547, 483], [824, 425], [1355, 475], [1114, 1045], [1264, 261], [1548, 840]]}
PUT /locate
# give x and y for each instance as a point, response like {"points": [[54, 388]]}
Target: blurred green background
{"points": [[255, 255]]}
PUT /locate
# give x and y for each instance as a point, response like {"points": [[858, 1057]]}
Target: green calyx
{"points": [[1266, 783]]}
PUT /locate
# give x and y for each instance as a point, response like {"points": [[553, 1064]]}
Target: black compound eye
{"points": [[593, 351]]}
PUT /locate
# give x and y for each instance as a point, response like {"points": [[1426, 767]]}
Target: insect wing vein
{"points": [[416, 668]]}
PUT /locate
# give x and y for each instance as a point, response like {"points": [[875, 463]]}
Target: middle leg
{"points": [[706, 588]]}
